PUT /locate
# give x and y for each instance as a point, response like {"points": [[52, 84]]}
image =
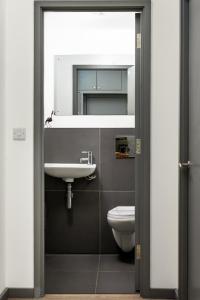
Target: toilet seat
{"points": [[122, 221], [122, 212]]}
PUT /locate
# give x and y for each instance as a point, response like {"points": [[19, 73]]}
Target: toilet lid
{"points": [[122, 212]]}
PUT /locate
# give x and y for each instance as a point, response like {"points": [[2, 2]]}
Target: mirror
{"points": [[89, 63]]}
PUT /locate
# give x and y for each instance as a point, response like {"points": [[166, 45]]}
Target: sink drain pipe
{"points": [[69, 196]]}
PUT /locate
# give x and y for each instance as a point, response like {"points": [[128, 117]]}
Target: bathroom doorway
{"points": [[92, 144]]}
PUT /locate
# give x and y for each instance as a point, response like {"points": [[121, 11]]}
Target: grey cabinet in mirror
{"points": [[102, 90], [109, 80], [87, 80], [97, 89]]}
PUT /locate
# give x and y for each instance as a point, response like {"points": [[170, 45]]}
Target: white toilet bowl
{"points": [[122, 221]]}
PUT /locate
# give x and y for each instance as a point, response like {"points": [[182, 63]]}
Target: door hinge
{"points": [[138, 251], [176, 294], [138, 146], [38, 292], [138, 40]]}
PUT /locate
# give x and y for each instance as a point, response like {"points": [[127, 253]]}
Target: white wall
{"points": [[164, 143], [164, 149], [93, 122], [2, 149], [19, 155]]}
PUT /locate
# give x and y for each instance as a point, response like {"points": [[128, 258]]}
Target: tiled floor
{"points": [[90, 274], [91, 297]]}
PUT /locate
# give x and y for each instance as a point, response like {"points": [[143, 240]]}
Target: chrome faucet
{"points": [[87, 159]]}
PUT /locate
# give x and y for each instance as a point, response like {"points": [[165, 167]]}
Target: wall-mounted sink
{"points": [[68, 172]]}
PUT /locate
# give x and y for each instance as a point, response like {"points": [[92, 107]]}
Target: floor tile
{"points": [[115, 282], [93, 297], [60, 282], [78, 274], [117, 263], [72, 263]]}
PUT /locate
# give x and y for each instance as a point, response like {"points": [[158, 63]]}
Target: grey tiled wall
{"points": [[84, 229]]}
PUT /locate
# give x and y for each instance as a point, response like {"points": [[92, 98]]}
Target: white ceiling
{"points": [[93, 20]]}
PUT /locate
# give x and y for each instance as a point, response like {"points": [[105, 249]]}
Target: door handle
{"points": [[187, 164]]}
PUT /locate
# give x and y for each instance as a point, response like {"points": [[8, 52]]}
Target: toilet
{"points": [[122, 221]]}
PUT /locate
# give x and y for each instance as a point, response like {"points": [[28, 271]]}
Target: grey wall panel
{"points": [[76, 230], [92, 199], [65, 145], [116, 174]]}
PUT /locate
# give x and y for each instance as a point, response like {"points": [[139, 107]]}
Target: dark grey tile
{"points": [[72, 231], [116, 283], [77, 231], [70, 282], [64, 145], [72, 263], [53, 183], [122, 262], [110, 200], [84, 184], [116, 174]]}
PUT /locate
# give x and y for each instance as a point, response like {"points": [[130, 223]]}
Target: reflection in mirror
{"points": [[102, 90], [125, 146], [89, 64]]}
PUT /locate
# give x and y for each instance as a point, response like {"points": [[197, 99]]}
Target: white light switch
{"points": [[19, 134]]}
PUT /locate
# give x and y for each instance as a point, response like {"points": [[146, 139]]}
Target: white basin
{"points": [[69, 171]]}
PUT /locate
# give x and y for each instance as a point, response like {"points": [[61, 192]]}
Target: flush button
{"points": [[19, 134], [125, 146]]}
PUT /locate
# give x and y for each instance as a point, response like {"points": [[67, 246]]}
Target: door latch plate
{"points": [[138, 146]]}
